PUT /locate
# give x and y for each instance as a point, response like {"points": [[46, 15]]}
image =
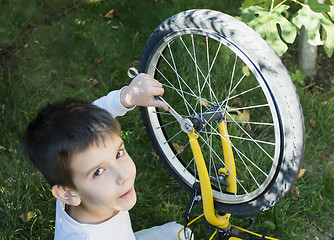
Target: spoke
{"points": [[177, 74], [161, 126], [239, 94], [237, 150], [178, 79], [186, 167], [208, 61], [214, 152], [240, 80], [242, 138], [231, 82], [172, 86], [189, 94], [182, 92], [168, 113], [256, 123], [250, 136], [197, 67], [173, 136], [248, 170], [180, 151], [249, 107], [208, 77], [197, 77], [178, 90], [216, 173], [211, 160]]}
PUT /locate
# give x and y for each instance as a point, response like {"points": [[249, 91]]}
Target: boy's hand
{"points": [[141, 92]]}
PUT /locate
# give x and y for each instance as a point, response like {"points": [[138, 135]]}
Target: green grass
{"points": [[51, 50]]}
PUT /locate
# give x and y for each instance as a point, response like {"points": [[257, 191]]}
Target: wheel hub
{"points": [[214, 113]]}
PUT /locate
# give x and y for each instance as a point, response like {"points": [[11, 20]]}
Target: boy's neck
{"points": [[89, 215]]}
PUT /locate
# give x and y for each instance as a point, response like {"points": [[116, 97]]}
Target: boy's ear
{"points": [[66, 195]]}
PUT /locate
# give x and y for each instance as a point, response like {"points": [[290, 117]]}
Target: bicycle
{"points": [[236, 102]]}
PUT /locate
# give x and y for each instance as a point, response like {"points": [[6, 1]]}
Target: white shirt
{"points": [[112, 103], [116, 228]]}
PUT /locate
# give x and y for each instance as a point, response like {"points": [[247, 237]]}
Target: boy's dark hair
{"points": [[61, 130]]}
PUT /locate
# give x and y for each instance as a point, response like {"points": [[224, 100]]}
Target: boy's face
{"points": [[104, 176]]}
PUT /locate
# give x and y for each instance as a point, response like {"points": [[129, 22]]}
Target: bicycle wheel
{"points": [[215, 68]]}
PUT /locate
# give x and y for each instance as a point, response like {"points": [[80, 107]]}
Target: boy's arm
{"points": [[112, 103], [141, 92]]}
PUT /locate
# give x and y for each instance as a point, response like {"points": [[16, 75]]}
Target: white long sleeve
{"points": [[112, 103]]}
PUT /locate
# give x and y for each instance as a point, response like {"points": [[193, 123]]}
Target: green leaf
{"points": [[331, 12], [298, 77], [269, 225], [248, 3], [312, 20], [318, 7], [266, 24]]}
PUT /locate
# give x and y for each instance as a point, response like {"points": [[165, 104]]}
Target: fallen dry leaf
{"points": [[308, 86], [111, 13], [178, 148], [295, 192], [27, 216], [244, 116], [323, 155], [142, 130], [301, 173], [97, 61], [134, 63], [324, 103], [204, 102], [313, 123], [320, 229], [332, 173], [237, 101], [94, 81], [245, 70], [155, 155]]}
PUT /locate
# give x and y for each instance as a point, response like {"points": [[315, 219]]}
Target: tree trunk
{"points": [[307, 55]]}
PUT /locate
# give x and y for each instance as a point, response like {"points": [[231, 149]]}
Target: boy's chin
{"points": [[131, 202]]}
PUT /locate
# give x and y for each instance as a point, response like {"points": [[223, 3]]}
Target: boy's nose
{"points": [[122, 176]]}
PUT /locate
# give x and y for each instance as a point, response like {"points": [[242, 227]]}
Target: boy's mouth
{"points": [[127, 194]]}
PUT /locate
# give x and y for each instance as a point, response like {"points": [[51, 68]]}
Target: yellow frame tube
{"points": [[206, 189], [228, 158]]}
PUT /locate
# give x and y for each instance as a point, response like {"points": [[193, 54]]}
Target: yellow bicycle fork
{"points": [[229, 170], [221, 221]]}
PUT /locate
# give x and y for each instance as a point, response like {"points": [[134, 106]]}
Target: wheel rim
{"points": [[189, 64]]}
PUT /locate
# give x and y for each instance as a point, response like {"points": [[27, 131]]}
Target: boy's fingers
{"points": [[160, 104], [157, 91], [156, 83]]}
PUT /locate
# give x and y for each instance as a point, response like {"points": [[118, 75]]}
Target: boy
{"points": [[78, 148]]}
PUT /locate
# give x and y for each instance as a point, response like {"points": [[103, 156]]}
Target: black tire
{"points": [[261, 108]]}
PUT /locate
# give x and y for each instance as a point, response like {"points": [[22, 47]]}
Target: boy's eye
{"points": [[120, 153], [98, 172]]}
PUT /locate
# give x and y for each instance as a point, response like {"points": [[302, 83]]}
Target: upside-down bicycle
{"points": [[235, 101]]}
